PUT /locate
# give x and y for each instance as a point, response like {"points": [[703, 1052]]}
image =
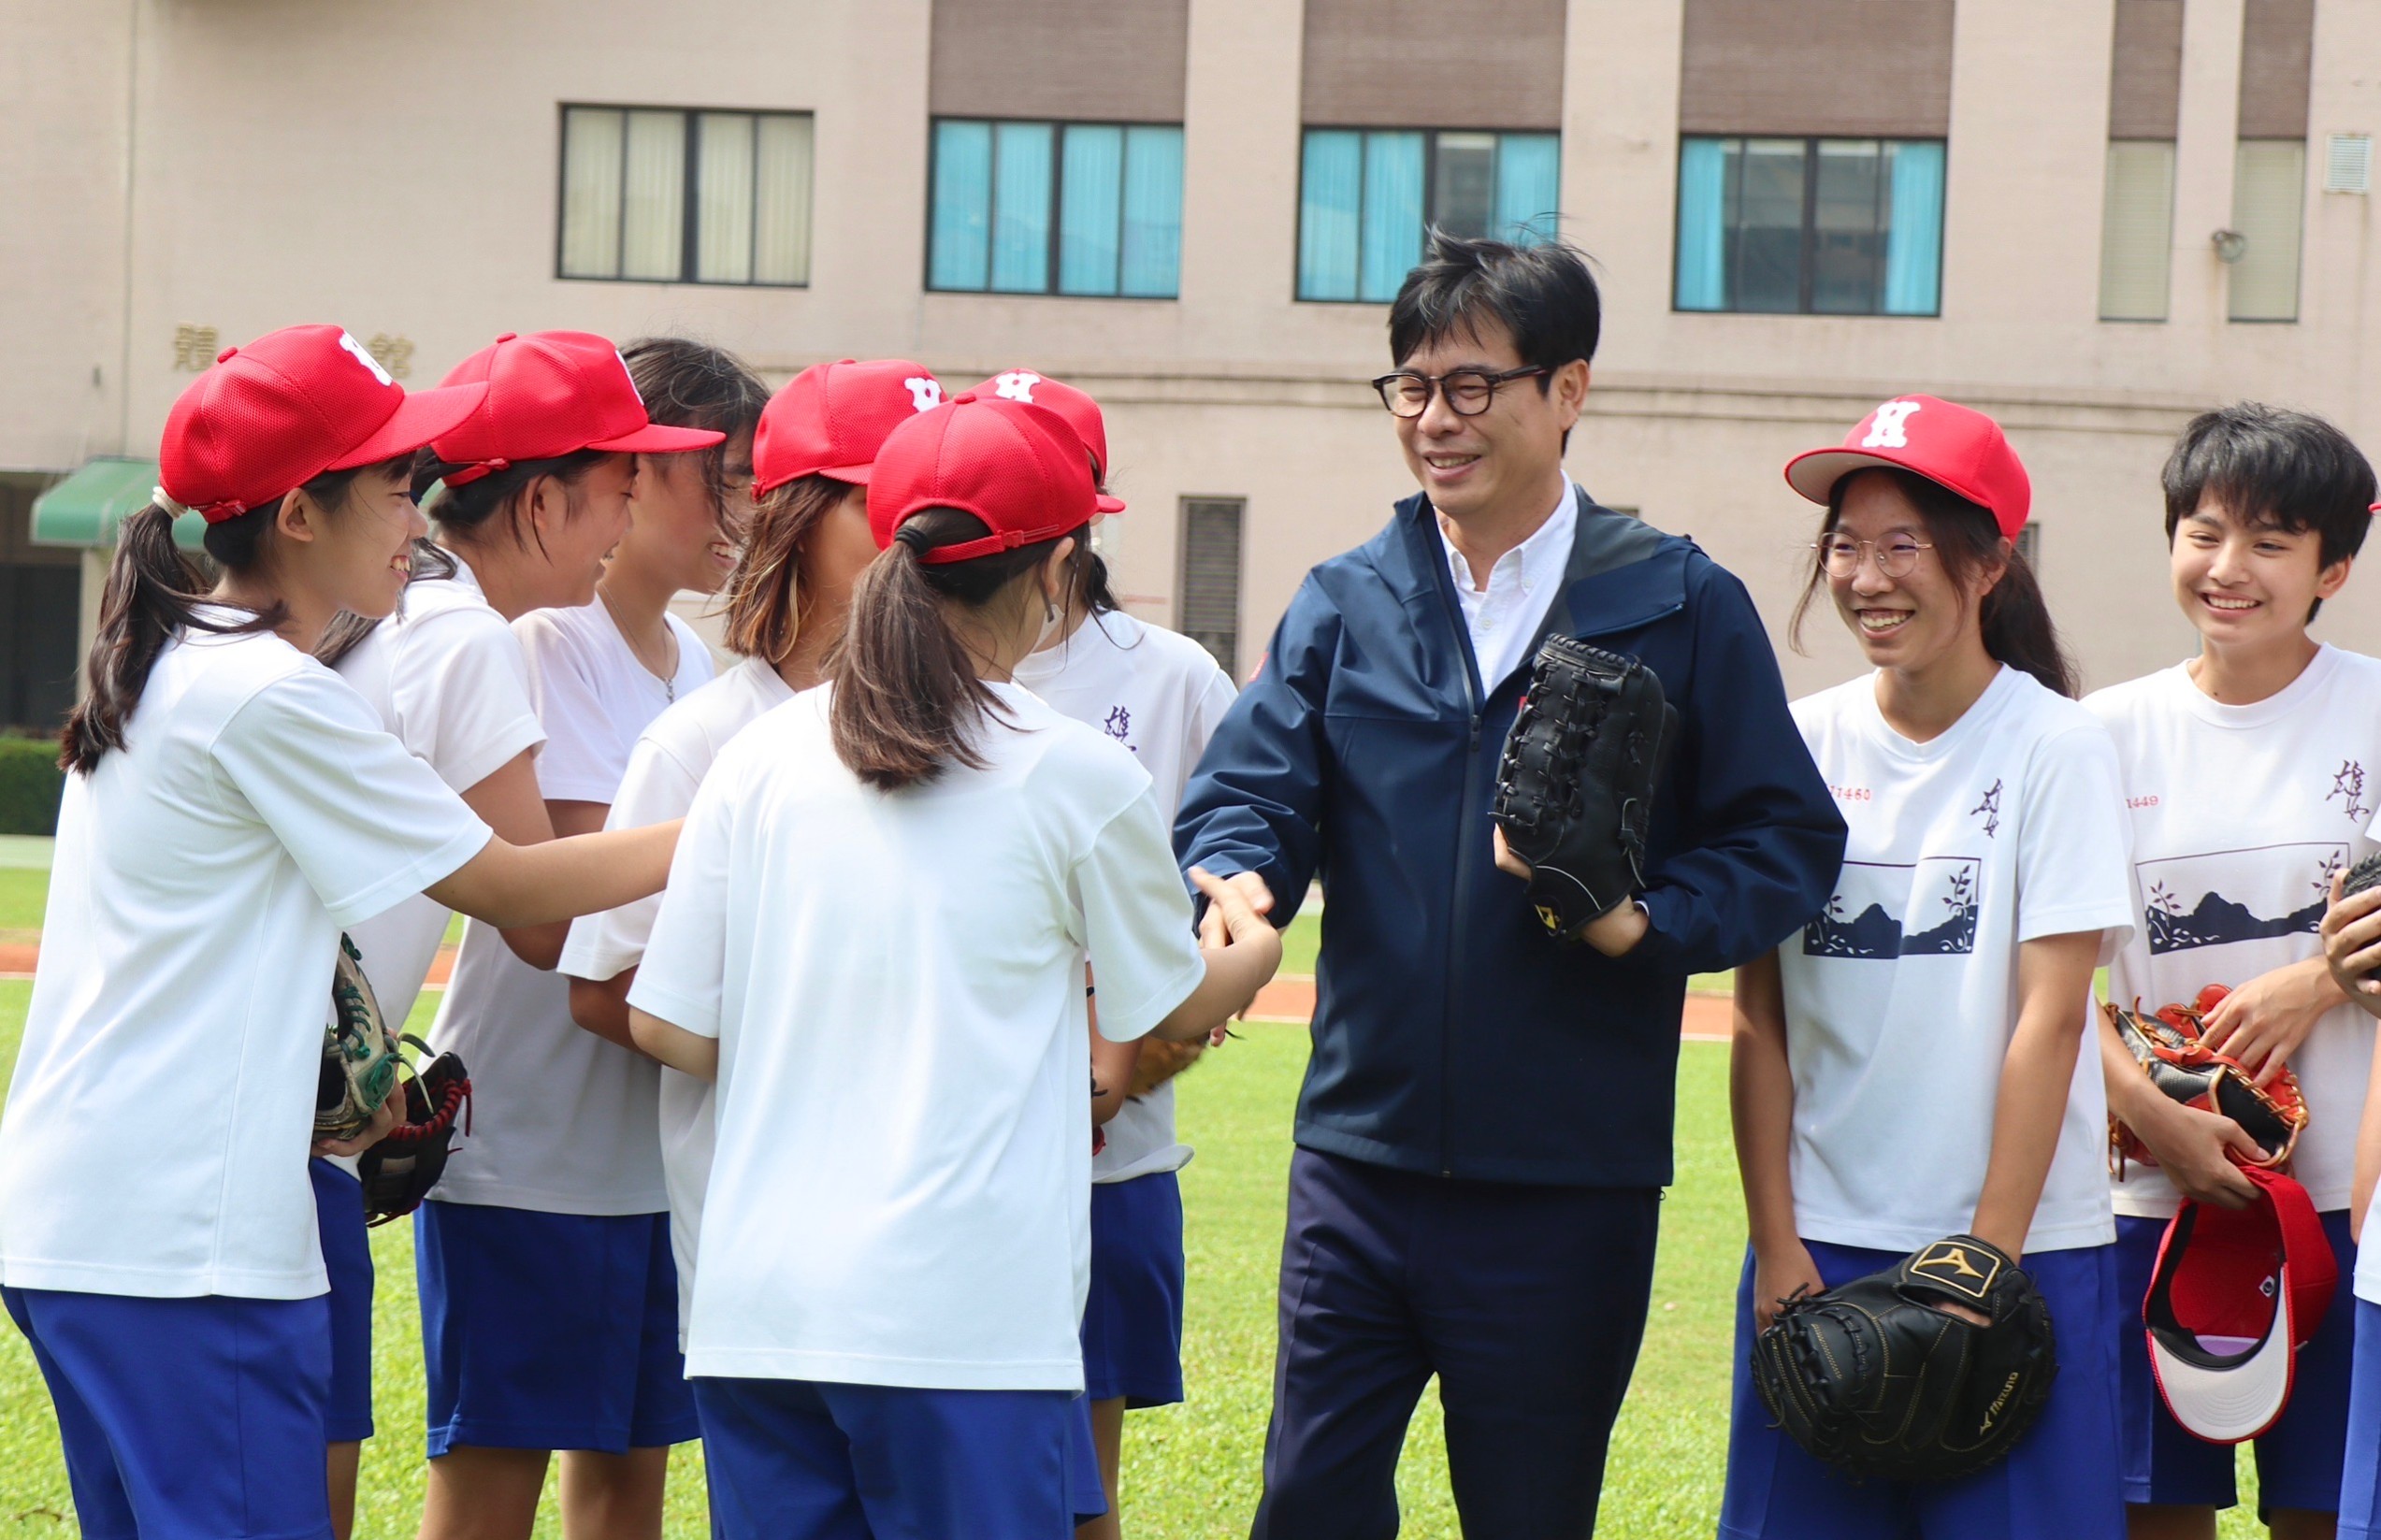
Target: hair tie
{"points": [[913, 535], [165, 501]]}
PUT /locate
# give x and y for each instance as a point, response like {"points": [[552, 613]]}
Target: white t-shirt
{"points": [[1902, 996], [2240, 814], [447, 678], [157, 1128], [901, 1190], [1161, 695], [563, 1122], [664, 768]]}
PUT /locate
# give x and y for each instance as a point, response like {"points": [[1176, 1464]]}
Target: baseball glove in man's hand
{"points": [[1577, 785], [1877, 1378]]}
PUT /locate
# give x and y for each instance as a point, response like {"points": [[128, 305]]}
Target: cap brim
{"points": [[2226, 1398], [1815, 472], [656, 438], [1107, 504], [422, 416]]}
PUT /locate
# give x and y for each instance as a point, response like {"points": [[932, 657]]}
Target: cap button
{"points": [[506, 336], [224, 356]]}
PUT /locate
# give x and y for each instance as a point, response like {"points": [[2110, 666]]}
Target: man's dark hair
{"points": [[2274, 469], [1543, 294]]}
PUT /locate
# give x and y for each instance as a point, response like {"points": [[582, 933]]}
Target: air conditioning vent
{"points": [[2348, 163]]}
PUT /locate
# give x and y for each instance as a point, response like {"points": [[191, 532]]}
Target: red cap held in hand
{"points": [[1953, 446], [2236, 1292], [831, 419], [552, 393], [273, 415], [1018, 468], [1077, 407]]}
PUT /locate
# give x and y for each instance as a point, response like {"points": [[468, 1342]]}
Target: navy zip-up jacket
{"points": [[1450, 1035]]}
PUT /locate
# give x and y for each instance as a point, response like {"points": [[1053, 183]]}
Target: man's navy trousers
{"points": [[1527, 1300]]}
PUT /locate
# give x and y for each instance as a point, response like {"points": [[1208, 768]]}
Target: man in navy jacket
{"points": [[1484, 1131]]}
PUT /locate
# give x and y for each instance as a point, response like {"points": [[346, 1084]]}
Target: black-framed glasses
{"points": [[1896, 555], [1469, 392]]}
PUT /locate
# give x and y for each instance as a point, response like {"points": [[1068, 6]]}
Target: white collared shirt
{"points": [[1504, 616]]}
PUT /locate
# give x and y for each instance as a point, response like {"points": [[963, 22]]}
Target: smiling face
{"points": [[1509, 459], [677, 530], [1914, 621], [2248, 585], [359, 555], [573, 526]]}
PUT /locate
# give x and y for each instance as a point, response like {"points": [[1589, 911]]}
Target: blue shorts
{"points": [[347, 1252], [2360, 1483], [2062, 1479], [1133, 1319], [806, 1459], [549, 1331], [2299, 1458], [190, 1418]]}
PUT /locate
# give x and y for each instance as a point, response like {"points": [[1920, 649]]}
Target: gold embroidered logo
{"points": [[1952, 1265], [1547, 919]]}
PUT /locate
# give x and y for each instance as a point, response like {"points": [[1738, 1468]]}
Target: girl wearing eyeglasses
{"points": [[1910, 1066]]}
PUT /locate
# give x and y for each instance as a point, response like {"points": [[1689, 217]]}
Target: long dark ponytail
{"points": [[154, 591], [907, 699], [2016, 622]]}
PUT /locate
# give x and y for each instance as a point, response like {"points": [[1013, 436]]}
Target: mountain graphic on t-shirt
{"points": [[1859, 921], [2220, 896]]}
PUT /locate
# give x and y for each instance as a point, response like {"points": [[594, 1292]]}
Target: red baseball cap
{"points": [[1018, 468], [831, 419], [551, 394], [2235, 1293], [287, 408], [1077, 407], [1953, 446]]}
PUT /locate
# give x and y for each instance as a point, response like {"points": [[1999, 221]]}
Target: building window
{"points": [[1811, 226], [2137, 230], [1069, 209], [2269, 181], [1210, 580], [1366, 197], [661, 196]]}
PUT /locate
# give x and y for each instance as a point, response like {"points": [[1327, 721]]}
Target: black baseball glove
{"points": [[400, 1171], [1577, 785], [1875, 1378]]}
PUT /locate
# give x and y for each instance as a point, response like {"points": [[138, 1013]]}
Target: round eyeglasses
{"points": [[1896, 555], [1469, 392]]}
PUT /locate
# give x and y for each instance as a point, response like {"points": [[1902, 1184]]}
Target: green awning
{"points": [[89, 506]]}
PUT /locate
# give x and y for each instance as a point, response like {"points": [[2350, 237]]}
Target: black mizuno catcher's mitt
{"points": [[1577, 780], [1873, 1378]]}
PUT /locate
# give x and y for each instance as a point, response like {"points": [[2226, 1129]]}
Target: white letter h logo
{"points": [[1885, 431]]}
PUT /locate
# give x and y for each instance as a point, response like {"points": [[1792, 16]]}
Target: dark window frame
{"points": [[1430, 185], [1807, 267], [1058, 128], [690, 212]]}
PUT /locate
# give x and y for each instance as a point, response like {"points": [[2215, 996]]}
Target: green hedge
{"points": [[29, 785]]}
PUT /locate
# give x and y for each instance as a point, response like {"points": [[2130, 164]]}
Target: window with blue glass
{"points": [[1067, 209], [1811, 226], [1366, 196]]}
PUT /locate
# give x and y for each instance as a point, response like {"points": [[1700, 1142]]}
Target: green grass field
{"points": [[1190, 1471]]}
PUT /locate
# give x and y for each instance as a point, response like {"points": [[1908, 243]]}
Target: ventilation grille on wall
{"points": [[2348, 163], [1210, 577]]}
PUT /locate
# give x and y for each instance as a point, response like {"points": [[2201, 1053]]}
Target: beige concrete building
{"points": [[1799, 207]]}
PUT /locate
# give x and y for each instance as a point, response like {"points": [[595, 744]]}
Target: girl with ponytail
{"points": [[233, 806], [1907, 1069], [874, 946]]}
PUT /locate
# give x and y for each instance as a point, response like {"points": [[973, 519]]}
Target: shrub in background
{"points": [[31, 784]]}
